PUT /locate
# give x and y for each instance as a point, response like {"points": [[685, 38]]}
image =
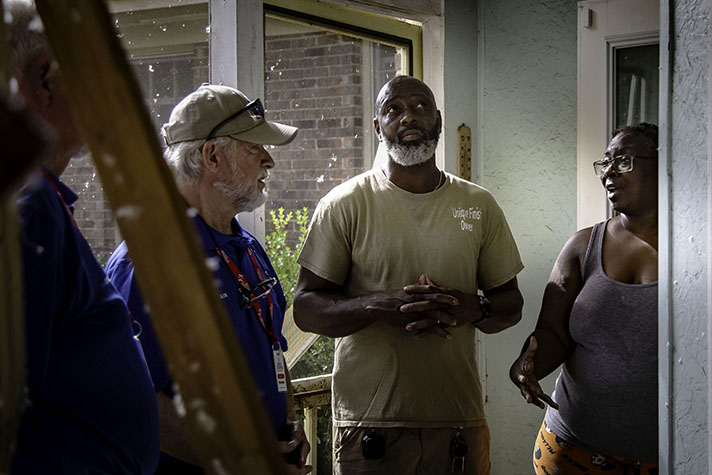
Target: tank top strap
{"points": [[592, 260]]}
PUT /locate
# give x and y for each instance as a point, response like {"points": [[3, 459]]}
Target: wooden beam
{"points": [[224, 413], [12, 330], [12, 334]]}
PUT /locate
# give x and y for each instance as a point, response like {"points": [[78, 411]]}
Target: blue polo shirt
{"points": [[91, 406], [252, 337]]}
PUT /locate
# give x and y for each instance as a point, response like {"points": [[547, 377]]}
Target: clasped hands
{"points": [[426, 307]]}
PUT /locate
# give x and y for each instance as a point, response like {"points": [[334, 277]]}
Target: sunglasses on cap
{"points": [[255, 107]]}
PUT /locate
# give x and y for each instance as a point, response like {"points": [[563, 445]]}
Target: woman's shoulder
{"points": [[573, 253], [579, 241]]}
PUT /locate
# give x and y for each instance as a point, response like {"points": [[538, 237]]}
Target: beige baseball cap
{"points": [[220, 111]]}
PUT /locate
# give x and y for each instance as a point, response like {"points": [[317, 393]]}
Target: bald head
{"points": [[398, 84]]}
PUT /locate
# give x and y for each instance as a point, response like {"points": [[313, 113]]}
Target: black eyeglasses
{"points": [[255, 107], [259, 291], [621, 164]]}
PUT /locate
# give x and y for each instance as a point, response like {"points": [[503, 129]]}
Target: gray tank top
{"points": [[608, 388]]}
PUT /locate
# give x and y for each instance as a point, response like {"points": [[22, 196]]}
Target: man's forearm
{"points": [[506, 311], [329, 314]]}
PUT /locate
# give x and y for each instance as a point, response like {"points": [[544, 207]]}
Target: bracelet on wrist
{"points": [[485, 309]]}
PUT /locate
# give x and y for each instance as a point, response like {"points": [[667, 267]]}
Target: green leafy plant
{"points": [[319, 358], [283, 257]]}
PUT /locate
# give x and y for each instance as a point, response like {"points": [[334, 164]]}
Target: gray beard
{"points": [[410, 155], [237, 197]]}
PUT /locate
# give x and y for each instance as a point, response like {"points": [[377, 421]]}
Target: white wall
{"points": [[527, 143], [689, 283]]}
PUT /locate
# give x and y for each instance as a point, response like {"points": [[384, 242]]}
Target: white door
{"points": [[617, 85]]}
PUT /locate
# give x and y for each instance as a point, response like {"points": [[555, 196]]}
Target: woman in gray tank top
{"points": [[599, 320]]}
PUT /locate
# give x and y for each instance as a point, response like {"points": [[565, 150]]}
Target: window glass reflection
{"points": [[636, 82]]}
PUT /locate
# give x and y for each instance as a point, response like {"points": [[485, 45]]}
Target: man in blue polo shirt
{"points": [[90, 403], [215, 147]]}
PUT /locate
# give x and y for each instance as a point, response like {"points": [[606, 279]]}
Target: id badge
{"points": [[280, 371]]}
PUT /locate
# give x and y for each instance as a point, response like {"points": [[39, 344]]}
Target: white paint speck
{"points": [[36, 25], [109, 159], [14, 86], [212, 263], [205, 421], [178, 402], [218, 467], [128, 212]]}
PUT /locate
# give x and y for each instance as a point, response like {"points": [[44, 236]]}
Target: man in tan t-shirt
{"points": [[391, 267]]}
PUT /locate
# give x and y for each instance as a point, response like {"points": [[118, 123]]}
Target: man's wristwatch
{"points": [[485, 308]]}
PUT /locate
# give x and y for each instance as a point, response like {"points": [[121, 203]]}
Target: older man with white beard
{"points": [[391, 267], [215, 148]]}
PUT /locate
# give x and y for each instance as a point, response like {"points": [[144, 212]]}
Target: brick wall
{"points": [[92, 213], [164, 82], [313, 81]]}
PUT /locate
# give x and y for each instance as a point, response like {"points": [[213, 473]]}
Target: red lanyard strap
{"points": [[268, 327]]}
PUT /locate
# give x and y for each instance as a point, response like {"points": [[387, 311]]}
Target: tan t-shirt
{"points": [[368, 235]]}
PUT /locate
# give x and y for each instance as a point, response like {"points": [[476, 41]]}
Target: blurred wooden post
{"points": [[309, 394], [310, 428], [12, 330], [224, 413]]}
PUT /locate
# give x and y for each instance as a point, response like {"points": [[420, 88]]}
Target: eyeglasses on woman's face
{"points": [[620, 163]]}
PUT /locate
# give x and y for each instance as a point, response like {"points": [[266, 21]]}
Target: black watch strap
{"points": [[485, 309]]}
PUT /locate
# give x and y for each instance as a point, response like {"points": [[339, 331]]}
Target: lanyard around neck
{"points": [[268, 327]]}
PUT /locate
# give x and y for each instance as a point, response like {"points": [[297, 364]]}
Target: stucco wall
{"points": [[529, 164], [689, 223]]}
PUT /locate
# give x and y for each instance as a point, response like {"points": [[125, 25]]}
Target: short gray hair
{"points": [[185, 158], [26, 38]]}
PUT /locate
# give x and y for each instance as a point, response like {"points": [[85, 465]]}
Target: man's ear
{"points": [[440, 122], [211, 160], [39, 80], [377, 126]]}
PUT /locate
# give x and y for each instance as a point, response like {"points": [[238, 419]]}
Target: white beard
{"points": [[242, 199], [412, 154]]}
